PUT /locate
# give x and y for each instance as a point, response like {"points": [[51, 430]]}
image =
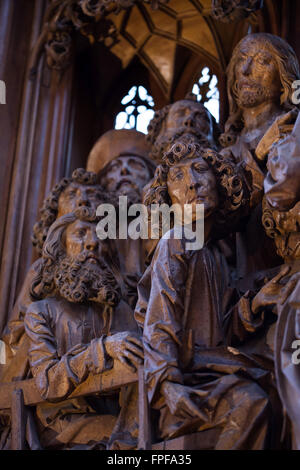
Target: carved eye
{"points": [[177, 176], [136, 164], [261, 61], [80, 233], [114, 166], [242, 58]]}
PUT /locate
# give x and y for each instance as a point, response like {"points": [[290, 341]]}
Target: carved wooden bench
{"points": [[17, 396], [20, 394]]}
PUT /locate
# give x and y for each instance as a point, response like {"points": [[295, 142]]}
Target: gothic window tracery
{"points": [[136, 110], [206, 89]]}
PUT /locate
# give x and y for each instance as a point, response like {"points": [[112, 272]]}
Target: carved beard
{"points": [[80, 279], [258, 95], [165, 141], [132, 192]]}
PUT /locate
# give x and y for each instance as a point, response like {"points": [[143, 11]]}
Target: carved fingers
{"points": [[127, 348], [272, 292], [282, 273]]}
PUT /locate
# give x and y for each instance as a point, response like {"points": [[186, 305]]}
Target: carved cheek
{"points": [[209, 182], [70, 247]]}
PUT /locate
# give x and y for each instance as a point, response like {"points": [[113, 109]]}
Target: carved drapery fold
{"points": [[39, 159]]}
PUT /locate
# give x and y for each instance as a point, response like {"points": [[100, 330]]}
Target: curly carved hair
{"points": [[49, 210], [156, 123], [288, 68], [281, 225], [233, 193]]}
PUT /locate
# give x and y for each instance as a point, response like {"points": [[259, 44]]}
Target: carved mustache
{"points": [[127, 181], [85, 255], [249, 83], [186, 131]]}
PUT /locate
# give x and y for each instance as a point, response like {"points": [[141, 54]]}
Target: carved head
{"points": [[74, 263], [192, 181], [284, 228], [79, 190], [190, 175], [185, 119], [126, 176], [262, 69], [120, 158]]}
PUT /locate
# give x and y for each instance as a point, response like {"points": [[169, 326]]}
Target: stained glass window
{"points": [[206, 89], [136, 110]]}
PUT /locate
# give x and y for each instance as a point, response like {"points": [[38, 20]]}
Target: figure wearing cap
{"points": [[120, 158]]}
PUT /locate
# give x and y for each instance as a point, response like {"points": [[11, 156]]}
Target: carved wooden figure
{"points": [[121, 160], [184, 119], [261, 72], [80, 327], [281, 294], [79, 190], [193, 379]]}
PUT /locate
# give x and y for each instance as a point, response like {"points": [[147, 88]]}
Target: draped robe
{"points": [[182, 299], [66, 345]]}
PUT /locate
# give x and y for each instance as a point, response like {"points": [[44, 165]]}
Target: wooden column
{"points": [[38, 159]]}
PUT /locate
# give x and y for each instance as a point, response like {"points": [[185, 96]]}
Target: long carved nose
{"points": [[124, 171], [189, 120], [83, 200], [246, 69], [194, 182], [92, 243]]}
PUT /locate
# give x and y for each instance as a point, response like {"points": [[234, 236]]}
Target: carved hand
{"points": [[127, 347], [272, 293], [178, 400]]}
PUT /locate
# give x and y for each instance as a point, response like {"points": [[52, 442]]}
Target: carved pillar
{"points": [[40, 158]]}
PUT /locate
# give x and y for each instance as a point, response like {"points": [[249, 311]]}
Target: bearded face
{"points": [[188, 121], [85, 277], [251, 94], [81, 273], [126, 176], [257, 76]]}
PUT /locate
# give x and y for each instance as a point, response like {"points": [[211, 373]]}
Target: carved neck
{"points": [[260, 116]]}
